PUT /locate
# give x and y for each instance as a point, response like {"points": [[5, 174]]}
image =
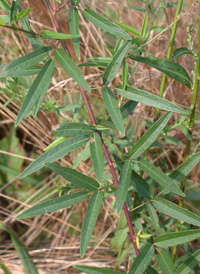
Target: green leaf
{"points": [[99, 64], [142, 187], [127, 108], [26, 259], [26, 61], [175, 211], [89, 221], [113, 109], [105, 24], [185, 168], [54, 143], [73, 21], [4, 268], [128, 28], [26, 72], [95, 270], [148, 99], [2, 23], [37, 91], [161, 178], [168, 67], [144, 25], [124, 75], [73, 129], [149, 137], [177, 238], [142, 260], [55, 153], [70, 68], [189, 264], [165, 263], [76, 178], [54, 204], [97, 156], [14, 9], [113, 67], [75, 2], [180, 51], [57, 35], [124, 182], [173, 140], [5, 6], [138, 8], [22, 13]]}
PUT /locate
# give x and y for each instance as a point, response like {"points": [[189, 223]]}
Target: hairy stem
{"points": [[93, 121]]}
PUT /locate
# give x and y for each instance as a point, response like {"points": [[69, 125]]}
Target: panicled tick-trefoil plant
{"points": [[154, 221]]}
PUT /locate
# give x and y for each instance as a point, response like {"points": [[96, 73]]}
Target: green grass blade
{"points": [[105, 24], [168, 67], [25, 61], [89, 221], [113, 67], [54, 204], [142, 260], [189, 264], [70, 68], [165, 263], [124, 182], [48, 34], [27, 261], [37, 91], [148, 99], [176, 238], [95, 270], [73, 21], [113, 109], [175, 211], [73, 129], [97, 156], [55, 153], [161, 178], [149, 137], [76, 178]]}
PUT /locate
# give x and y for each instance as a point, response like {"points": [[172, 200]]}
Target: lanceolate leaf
{"points": [[5, 6], [14, 9], [161, 178], [28, 264], [73, 129], [124, 182], [57, 35], [113, 109], [25, 61], [73, 20], [89, 221], [76, 178], [128, 28], [149, 137], [127, 108], [148, 98], [113, 67], [189, 264], [185, 168], [142, 260], [97, 156], [180, 51], [105, 24], [144, 25], [54, 204], [165, 263], [55, 153], [177, 238], [95, 270], [175, 211], [37, 91], [170, 68], [70, 68], [26, 72], [142, 187]]}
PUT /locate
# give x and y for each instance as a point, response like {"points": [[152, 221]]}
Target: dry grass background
{"points": [[53, 239]]}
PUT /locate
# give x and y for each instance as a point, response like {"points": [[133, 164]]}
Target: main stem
{"points": [[93, 121]]}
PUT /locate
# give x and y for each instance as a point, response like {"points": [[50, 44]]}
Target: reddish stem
{"points": [[106, 153]]}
